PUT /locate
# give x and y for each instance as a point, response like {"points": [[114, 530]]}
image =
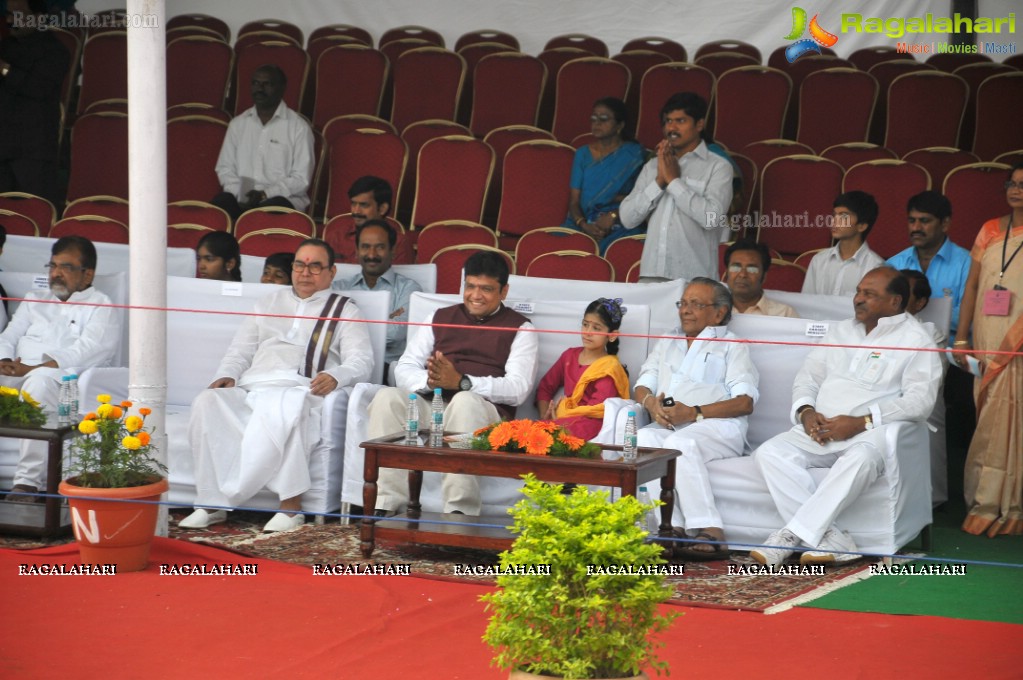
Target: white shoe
{"points": [[782, 544], [284, 522], [836, 547], [200, 519]]}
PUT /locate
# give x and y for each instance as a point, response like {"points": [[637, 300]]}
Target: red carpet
{"points": [[287, 622]]}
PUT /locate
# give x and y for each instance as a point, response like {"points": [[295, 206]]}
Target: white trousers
{"points": [[700, 443], [44, 386], [808, 509], [466, 412], [243, 441]]}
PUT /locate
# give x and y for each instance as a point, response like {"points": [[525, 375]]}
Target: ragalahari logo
{"points": [[812, 45]]}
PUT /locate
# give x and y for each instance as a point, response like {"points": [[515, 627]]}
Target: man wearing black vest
{"points": [[484, 373]]}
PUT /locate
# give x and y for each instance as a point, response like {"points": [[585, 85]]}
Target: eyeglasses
{"points": [[1013, 185], [750, 268], [599, 118], [64, 267], [313, 267], [698, 306]]}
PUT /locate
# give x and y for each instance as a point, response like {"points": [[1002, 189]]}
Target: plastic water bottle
{"points": [[629, 450], [64, 401], [412, 421], [437, 419], [73, 398], [649, 521]]}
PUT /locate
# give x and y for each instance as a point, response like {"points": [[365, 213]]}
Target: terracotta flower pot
{"points": [[523, 675], [114, 531]]}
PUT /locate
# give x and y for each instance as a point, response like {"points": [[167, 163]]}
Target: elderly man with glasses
{"points": [[47, 340], [698, 387], [259, 420]]}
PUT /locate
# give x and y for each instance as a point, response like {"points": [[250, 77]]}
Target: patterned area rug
{"points": [[704, 584]]}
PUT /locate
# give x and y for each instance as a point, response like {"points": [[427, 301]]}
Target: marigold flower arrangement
{"points": [[116, 450], [17, 407], [534, 438]]}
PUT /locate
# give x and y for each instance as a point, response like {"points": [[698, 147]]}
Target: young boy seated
{"points": [[838, 269]]}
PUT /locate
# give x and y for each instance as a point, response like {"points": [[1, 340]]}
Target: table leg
{"points": [[54, 458], [369, 502], [667, 508], [415, 488]]}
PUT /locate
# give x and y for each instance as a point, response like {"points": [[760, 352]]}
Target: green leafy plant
{"points": [[17, 407], [116, 450], [582, 620]]}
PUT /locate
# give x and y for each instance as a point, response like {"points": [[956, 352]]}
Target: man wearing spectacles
{"points": [[46, 341], [746, 264], [259, 420], [699, 393]]}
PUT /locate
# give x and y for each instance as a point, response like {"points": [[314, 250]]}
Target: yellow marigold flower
{"points": [[133, 423], [117, 412], [28, 399], [145, 411], [9, 391], [143, 437], [105, 411], [88, 427], [125, 404], [103, 398], [131, 443]]}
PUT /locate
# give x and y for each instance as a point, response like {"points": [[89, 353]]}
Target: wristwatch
{"points": [[465, 384], [699, 414], [868, 423]]}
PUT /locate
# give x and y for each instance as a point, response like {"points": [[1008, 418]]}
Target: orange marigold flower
{"points": [[501, 434], [89, 416], [145, 411], [538, 443], [117, 412], [125, 404], [547, 425], [143, 437], [572, 442]]}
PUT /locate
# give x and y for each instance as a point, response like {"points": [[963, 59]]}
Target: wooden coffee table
{"points": [[416, 526], [47, 519]]}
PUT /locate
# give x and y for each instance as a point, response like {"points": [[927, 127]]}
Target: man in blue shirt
{"points": [[945, 264]]}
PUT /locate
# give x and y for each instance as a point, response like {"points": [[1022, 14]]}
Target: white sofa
{"points": [[196, 342], [30, 253]]}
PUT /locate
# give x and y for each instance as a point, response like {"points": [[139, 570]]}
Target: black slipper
{"points": [[687, 552]]}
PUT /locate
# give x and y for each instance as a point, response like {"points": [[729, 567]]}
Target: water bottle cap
{"points": [[436, 390], [632, 413], [65, 378], [73, 376], [412, 396], [642, 488]]}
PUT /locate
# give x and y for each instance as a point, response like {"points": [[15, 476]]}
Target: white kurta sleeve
{"points": [[516, 385], [920, 383], [643, 197], [243, 348], [808, 380], [410, 373], [351, 345]]}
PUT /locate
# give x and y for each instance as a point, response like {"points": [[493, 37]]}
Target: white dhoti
{"points": [[466, 412], [809, 510], [247, 439], [43, 384], [700, 443]]}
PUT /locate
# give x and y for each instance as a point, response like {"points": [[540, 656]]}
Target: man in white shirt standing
{"points": [[267, 156], [682, 193], [842, 400], [46, 341]]}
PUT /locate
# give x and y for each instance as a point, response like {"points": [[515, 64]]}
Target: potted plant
{"points": [[583, 617], [17, 407], [110, 466]]}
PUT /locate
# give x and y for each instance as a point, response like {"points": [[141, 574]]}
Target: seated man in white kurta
{"points": [[842, 400], [484, 375], [714, 387], [256, 424], [48, 339]]}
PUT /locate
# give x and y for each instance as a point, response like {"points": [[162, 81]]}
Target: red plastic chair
{"points": [[186, 235], [204, 21], [93, 227], [924, 109], [729, 45], [339, 232], [275, 25], [346, 30], [349, 80], [835, 107], [109, 106], [361, 152], [258, 37], [269, 241], [198, 109], [487, 35], [792, 186], [193, 146], [624, 253], [38, 209], [997, 129], [444, 195], [784, 275], [104, 69], [638, 62], [1010, 158], [73, 44], [751, 105], [449, 262], [199, 213], [885, 72], [974, 75], [17, 224], [938, 161], [501, 140], [765, 151], [414, 32], [666, 46], [427, 84], [99, 156], [974, 190], [719, 63], [632, 276], [291, 58], [579, 41], [866, 58], [581, 82], [492, 108], [950, 61], [851, 153], [534, 191], [798, 71], [415, 136], [198, 70], [891, 183], [571, 264], [110, 207], [554, 59], [193, 32], [659, 83], [472, 54], [539, 242], [435, 237], [274, 218]]}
